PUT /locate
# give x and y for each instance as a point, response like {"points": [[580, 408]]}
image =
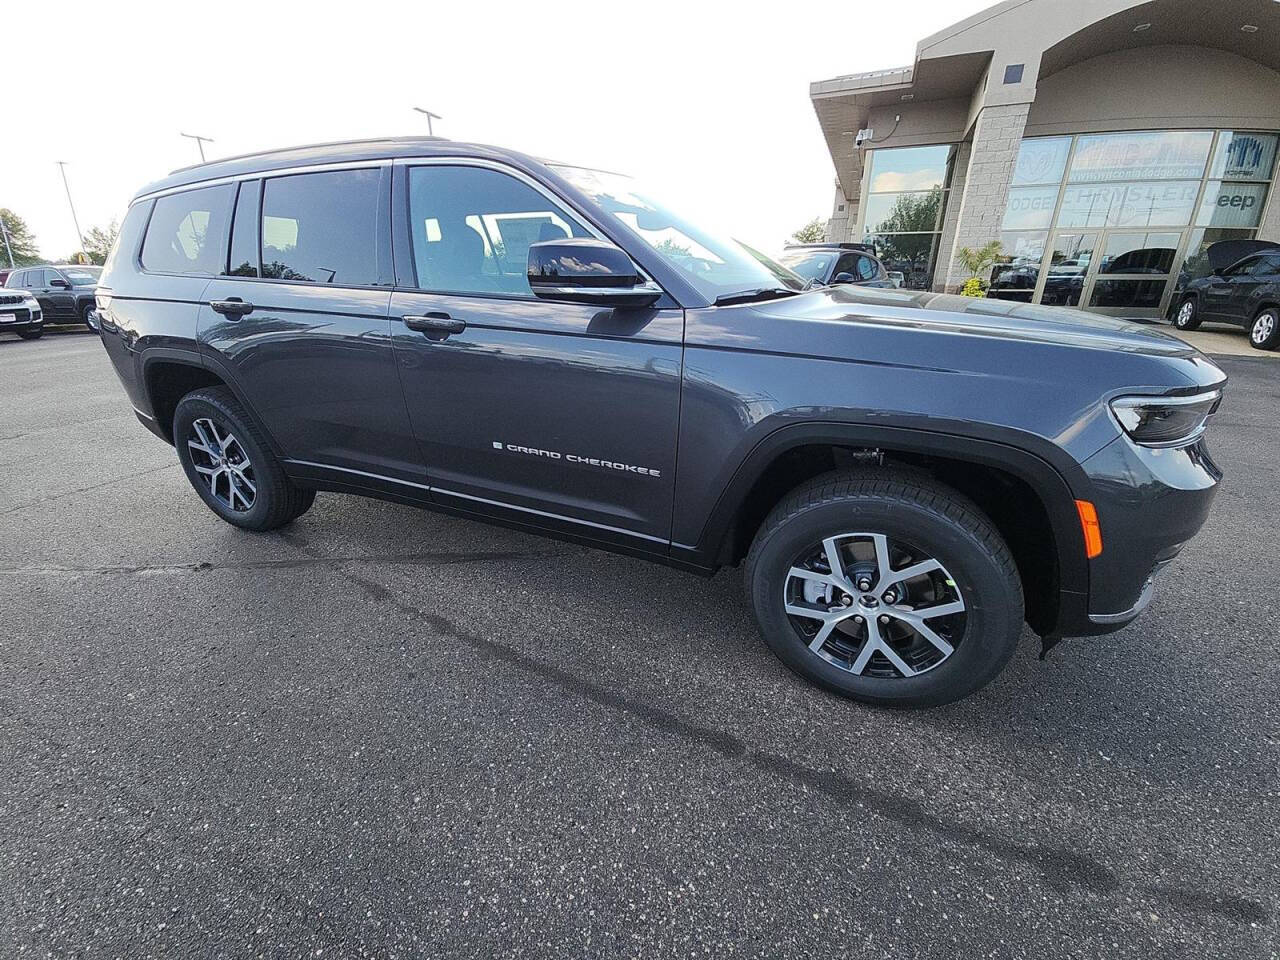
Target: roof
{"points": [[344, 151]]}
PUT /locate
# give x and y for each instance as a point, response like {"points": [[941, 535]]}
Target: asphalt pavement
{"points": [[387, 733]]}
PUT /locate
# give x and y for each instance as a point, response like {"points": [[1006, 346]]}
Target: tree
{"points": [[814, 231], [978, 261], [913, 213], [22, 241], [99, 241]]}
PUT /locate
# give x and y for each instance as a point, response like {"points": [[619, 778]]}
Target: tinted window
{"points": [[82, 276], [811, 266], [322, 227], [1243, 268], [472, 229], [244, 232], [36, 278], [867, 269], [187, 232]]}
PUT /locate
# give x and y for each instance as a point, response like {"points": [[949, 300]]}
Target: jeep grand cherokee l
{"points": [[906, 477]]}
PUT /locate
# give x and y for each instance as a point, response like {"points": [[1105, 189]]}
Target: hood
{"points": [[1001, 319]]}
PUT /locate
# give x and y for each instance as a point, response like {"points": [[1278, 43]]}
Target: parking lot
{"points": [[384, 732]]}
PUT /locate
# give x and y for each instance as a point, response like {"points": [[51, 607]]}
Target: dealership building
{"points": [[1105, 144]]}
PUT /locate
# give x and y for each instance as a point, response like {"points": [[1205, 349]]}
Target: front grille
{"points": [[6, 298]]}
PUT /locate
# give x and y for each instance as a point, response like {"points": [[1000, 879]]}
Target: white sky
{"points": [[703, 100]]}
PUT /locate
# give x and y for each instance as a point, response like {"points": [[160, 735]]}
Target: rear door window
{"points": [[188, 232], [322, 227]]}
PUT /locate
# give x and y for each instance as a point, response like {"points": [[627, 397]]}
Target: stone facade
{"points": [[980, 200]]}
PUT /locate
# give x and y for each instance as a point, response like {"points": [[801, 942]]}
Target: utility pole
{"points": [[62, 165], [430, 116], [200, 142], [7, 249]]}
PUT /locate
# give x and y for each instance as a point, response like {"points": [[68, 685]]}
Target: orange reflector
{"points": [[1089, 525]]}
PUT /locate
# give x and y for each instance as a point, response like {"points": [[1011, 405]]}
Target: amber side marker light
{"points": [[1089, 525]]}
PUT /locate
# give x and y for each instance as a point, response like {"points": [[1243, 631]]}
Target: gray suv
{"points": [[65, 292], [905, 477]]}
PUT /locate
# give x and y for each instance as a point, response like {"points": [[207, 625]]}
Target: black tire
{"points": [[34, 334], [276, 500], [1187, 316], [84, 315], [907, 508], [1264, 332]]}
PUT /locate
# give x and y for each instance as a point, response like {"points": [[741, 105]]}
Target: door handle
{"points": [[233, 308], [435, 326]]}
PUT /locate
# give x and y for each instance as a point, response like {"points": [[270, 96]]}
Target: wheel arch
{"points": [[1027, 497]]}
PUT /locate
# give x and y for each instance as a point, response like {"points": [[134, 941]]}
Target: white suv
{"points": [[20, 313]]}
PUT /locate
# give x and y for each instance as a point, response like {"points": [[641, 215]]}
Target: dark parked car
{"points": [[830, 263], [906, 476], [65, 292], [1246, 293]]}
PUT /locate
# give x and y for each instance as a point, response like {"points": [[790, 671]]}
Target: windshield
{"points": [[811, 266], [82, 277], [714, 265]]}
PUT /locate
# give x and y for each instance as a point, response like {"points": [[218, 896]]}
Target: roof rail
{"points": [[303, 146]]}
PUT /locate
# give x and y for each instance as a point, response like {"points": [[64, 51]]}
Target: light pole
{"points": [[7, 249], [200, 142], [430, 116], [62, 166]]}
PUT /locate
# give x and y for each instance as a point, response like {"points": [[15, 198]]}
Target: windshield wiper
{"points": [[751, 296]]}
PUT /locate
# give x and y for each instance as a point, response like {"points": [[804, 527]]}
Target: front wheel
{"points": [[228, 462], [1265, 332], [35, 333], [1188, 315], [889, 588], [85, 313]]}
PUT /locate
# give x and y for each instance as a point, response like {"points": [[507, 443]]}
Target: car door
{"points": [[61, 294], [547, 412], [298, 322], [1249, 289], [1220, 291], [35, 282]]}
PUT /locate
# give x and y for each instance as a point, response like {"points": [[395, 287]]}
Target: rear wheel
{"points": [[1188, 315], [1264, 334], [228, 462], [35, 333], [888, 588]]}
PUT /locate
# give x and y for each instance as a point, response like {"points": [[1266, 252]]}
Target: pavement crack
{"points": [[1062, 869], [431, 558], [93, 486]]}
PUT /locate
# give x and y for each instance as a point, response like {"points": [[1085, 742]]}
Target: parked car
{"points": [[1246, 293], [906, 477], [4, 274], [20, 313], [65, 292], [828, 263], [897, 278]]}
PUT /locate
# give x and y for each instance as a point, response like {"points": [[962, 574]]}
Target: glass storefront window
{"points": [[1030, 208], [1118, 210], [1244, 156], [1130, 253], [905, 169], [1017, 271], [1152, 204], [1231, 204], [903, 208], [1172, 155], [903, 212], [1041, 160]]}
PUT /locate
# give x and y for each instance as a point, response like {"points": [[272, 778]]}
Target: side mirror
{"points": [[844, 278], [59, 283], [586, 270]]}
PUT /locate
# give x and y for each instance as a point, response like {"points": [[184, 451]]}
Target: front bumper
{"points": [[19, 318], [1150, 502]]}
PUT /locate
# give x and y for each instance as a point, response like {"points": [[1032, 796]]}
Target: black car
{"points": [[830, 263], [65, 292], [906, 477], [1245, 293]]}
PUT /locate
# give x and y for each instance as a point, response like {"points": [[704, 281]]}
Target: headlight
{"points": [[1165, 421]]}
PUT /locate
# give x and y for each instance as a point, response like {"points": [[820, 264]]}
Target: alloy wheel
{"points": [[1263, 327], [1185, 313], [874, 606], [222, 464]]}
